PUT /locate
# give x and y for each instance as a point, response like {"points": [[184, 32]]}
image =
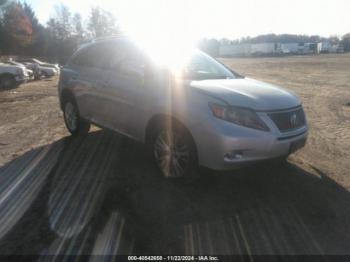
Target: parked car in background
{"points": [[41, 63], [42, 71], [47, 71], [29, 71], [36, 70], [207, 115], [12, 75]]}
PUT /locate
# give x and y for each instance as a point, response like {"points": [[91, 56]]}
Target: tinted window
{"points": [[96, 56], [111, 55], [125, 53]]}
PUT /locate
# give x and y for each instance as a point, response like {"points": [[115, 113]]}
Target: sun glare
{"points": [[161, 27]]}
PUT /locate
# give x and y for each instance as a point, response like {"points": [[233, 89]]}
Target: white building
{"points": [[309, 48], [234, 50], [324, 47], [327, 47], [290, 48], [264, 48], [274, 49]]}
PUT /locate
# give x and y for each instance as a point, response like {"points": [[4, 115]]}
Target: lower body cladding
{"points": [[223, 146]]}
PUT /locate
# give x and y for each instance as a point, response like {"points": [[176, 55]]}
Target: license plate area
{"points": [[296, 145]]}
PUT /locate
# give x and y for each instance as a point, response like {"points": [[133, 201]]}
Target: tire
{"points": [[174, 152], [7, 82], [74, 123]]}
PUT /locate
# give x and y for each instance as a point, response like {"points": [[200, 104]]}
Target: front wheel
{"points": [[174, 152], [75, 125]]}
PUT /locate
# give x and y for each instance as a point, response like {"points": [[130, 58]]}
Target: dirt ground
{"points": [[100, 194], [30, 115], [323, 84]]}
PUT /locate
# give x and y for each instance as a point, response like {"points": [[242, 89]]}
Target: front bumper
{"points": [[222, 145]]}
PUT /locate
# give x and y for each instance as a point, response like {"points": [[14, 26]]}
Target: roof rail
{"points": [[98, 39]]}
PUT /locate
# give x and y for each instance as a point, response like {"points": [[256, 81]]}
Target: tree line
{"points": [[22, 34]]}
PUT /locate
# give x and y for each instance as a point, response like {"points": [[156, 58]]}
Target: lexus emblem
{"points": [[293, 120]]}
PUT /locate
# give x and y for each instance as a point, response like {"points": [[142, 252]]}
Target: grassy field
{"points": [[323, 84]]}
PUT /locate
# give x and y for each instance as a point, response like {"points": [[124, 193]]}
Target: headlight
{"points": [[239, 116]]}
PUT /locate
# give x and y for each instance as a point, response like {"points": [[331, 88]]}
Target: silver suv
{"points": [[208, 115]]}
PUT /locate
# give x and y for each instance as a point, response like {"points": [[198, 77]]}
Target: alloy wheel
{"points": [[172, 154]]}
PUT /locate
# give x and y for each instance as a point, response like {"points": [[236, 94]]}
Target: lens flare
{"points": [[161, 28]]}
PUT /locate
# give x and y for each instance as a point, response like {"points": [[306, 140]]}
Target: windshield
{"points": [[201, 67]]}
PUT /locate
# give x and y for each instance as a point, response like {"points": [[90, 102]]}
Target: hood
{"points": [[249, 93], [8, 66], [12, 69]]}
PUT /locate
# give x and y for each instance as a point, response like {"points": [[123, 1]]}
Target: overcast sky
{"points": [[218, 18]]}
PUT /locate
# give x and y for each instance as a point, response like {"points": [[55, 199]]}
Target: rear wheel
{"points": [[174, 152], [74, 124]]}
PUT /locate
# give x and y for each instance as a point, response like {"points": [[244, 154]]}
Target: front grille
{"points": [[288, 121]]}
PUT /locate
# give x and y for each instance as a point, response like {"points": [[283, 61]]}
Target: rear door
{"points": [[89, 77], [128, 97]]}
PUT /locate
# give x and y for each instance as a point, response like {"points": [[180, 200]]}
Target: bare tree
{"points": [[16, 28], [61, 39], [78, 28], [63, 21], [3, 2], [101, 23]]}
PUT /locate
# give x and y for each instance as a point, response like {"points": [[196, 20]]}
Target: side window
{"points": [[124, 55], [134, 63], [118, 55], [81, 58], [96, 56]]}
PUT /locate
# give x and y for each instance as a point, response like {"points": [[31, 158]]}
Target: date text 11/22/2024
{"points": [[173, 258]]}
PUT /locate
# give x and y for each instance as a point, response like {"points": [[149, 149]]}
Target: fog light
{"points": [[233, 155]]}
